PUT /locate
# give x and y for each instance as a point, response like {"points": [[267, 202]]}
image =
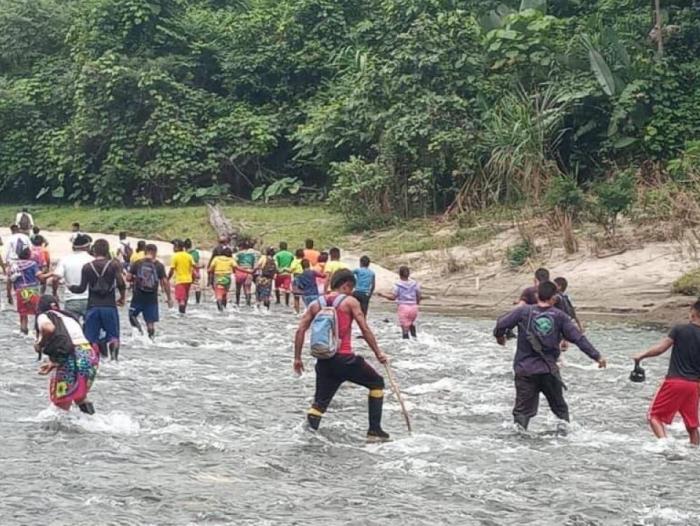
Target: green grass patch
{"points": [[688, 284]]}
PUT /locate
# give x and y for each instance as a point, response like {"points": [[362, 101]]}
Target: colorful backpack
{"points": [[324, 329]]}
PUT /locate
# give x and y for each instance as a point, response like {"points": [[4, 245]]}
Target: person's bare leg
{"points": [[24, 324], [694, 436], [657, 428]]}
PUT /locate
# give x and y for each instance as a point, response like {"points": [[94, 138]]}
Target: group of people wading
{"points": [[96, 279]]}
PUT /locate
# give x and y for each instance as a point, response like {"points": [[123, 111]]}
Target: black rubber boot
{"points": [[314, 421], [152, 334], [87, 408], [198, 296], [412, 329], [182, 308], [374, 410], [220, 305], [277, 297], [405, 335]]}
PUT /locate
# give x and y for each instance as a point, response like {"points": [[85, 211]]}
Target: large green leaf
{"points": [[602, 72], [539, 5]]}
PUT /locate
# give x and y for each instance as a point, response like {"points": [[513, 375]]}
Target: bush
{"points": [[565, 195], [688, 284], [519, 253], [613, 198]]}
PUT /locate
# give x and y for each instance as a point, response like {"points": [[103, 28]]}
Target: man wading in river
{"points": [[541, 328], [343, 365]]}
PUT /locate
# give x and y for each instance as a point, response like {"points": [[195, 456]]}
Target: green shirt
{"points": [[195, 255], [284, 259]]}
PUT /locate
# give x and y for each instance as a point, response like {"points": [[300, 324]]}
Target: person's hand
{"points": [[45, 368], [298, 366], [637, 357], [602, 363], [120, 302], [501, 340], [382, 358]]}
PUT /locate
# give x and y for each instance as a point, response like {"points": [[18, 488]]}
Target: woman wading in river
{"points": [[72, 360]]}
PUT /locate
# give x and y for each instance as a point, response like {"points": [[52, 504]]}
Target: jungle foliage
{"points": [[391, 108]]}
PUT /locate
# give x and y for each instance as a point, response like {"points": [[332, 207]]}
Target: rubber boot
{"points": [[220, 305], [87, 408], [375, 402], [405, 335], [248, 299], [286, 299], [412, 329], [102, 347], [313, 417], [278, 297], [182, 309], [198, 296], [152, 334]]}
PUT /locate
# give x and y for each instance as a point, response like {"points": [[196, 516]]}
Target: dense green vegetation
{"points": [[389, 107]]}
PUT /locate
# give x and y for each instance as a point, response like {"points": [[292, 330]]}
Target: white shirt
{"points": [[70, 270], [11, 249], [18, 218], [75, 331]]}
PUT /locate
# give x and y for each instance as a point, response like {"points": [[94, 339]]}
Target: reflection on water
{"points": [[205, 427]]}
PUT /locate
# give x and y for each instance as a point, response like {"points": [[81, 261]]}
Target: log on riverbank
{"points": [[220, 223]]}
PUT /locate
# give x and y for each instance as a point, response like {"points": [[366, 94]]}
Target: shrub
{"points": [[519, 253], [613, 198], [688, 284]]}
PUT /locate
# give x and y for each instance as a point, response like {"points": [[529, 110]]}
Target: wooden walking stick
{"points": [[395, 388]]}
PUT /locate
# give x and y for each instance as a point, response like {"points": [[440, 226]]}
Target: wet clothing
{"points": [[364, 280], [537, 371], [550, 325], [23, 273], [332, 372], [406, 292], [182, 292], [102, 319], [527, 397], [685, 355], [306, 283], [284, 260], [247, 259], [363, 298], [676, 395], [407, 315]]}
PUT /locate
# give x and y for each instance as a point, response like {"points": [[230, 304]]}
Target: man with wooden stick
{"points": [[329, 320]]}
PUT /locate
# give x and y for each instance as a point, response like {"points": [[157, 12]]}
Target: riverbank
{"points": [[463, 268]]}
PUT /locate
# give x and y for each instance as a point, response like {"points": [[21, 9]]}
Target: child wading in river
{"points": [[407, 295]]}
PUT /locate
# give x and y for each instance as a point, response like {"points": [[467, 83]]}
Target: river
{"points": [[205, 427]]}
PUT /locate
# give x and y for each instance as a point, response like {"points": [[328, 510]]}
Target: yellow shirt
{"points": [[222, 265], [183, 265], [295, 268], [333, 266], [137, 256]]}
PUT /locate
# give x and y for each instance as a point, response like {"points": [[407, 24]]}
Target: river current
{"points": [[205, 426]]}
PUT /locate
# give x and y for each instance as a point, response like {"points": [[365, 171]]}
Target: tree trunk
{"points": [[659, 32], [221, 225]]}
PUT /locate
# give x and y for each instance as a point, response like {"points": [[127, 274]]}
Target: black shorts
{"points": [[331, 373], [527, 397], [364, 301]]}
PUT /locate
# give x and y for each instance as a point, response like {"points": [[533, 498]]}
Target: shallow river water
{"points": [[205, 427]]}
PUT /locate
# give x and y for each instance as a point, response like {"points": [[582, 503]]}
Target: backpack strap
{"points": [[338, 300], [322, 302]]}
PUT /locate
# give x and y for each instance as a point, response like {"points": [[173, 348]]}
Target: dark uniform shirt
{"points": [[685, 355]]}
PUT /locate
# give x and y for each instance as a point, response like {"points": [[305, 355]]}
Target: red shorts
{"points": [[182, 292], [283, 282], [243, 278], [27, 301], [676, 395]]}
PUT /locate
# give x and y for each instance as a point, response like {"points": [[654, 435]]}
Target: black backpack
{"points": [[147, 276], [59, 346], [24, 222], [102, 287], [270, 268]]}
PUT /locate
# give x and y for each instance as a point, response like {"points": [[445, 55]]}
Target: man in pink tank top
{"points": [[344, 365]]}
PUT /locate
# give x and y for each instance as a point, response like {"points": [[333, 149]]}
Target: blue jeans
{"points": [[102, 318]]}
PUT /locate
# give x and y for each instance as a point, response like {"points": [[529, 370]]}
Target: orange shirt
{"points": [[312, 256]]}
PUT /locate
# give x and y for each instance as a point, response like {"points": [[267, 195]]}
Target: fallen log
{"points": [[221, 225]]}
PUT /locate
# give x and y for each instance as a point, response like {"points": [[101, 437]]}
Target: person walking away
{"points": [[76, 231], [102, 277], [343, 364], [305, 284], [283, 279], [40, 254], [541, 328], [529, 294], [25, 221], [16, 243], [223, 243], [182, 268], [139, 253], [72, 361], [311, 253], [147, 275], [221, 268], [333, 266], [246, 260], [36, 231], [296, 270], [267, 270], [407, 295], [565, 302], [124, 251], [25, 274], [366, 282], [320, 268], [69, 271], [196, 277], [679, 391]]}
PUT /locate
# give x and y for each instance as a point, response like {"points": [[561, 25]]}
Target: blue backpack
{"points": [[324, 329]]}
